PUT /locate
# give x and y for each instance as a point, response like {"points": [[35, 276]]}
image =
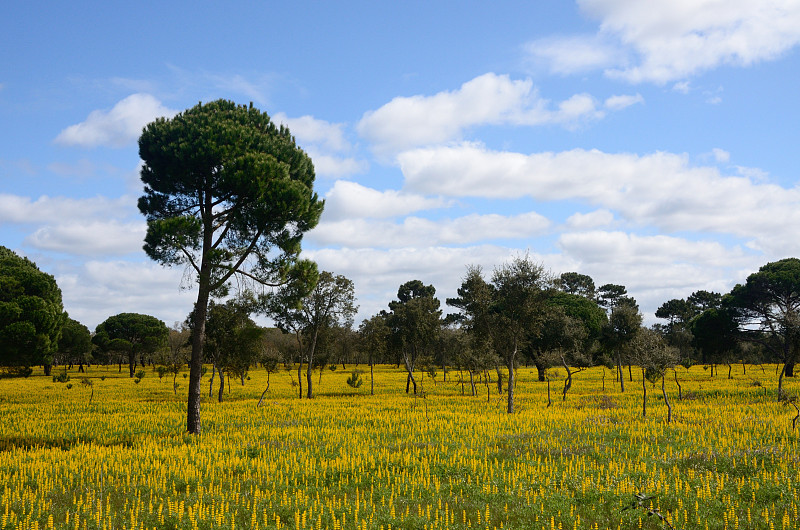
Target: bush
{"points": [[355, 381]]}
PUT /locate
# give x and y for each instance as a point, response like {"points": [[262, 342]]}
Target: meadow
{"points": [[347, 460]]}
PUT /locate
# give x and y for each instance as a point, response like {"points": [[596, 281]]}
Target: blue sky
{"points": [[646, 143]]}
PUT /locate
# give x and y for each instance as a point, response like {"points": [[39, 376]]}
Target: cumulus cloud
{"points": [[96, 238], [18, 209], [583, 221], [489, 99], [656, 268], [668, 41], [377, 273], [413, 231], [325, 142], [98, 289], [350, 200], [116, 127], [659, 189], [315, 131]]}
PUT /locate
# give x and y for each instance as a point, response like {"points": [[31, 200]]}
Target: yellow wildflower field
{"points": [[730, 458]]}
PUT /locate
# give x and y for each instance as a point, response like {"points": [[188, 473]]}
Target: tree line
{"points": [[518, 315], [228, 196]]}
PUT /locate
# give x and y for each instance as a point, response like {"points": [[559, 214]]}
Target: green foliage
{"points": [[355, 381], [221, 167], [414, 322], [63, 377], [233, 340], [767, 308], [227, 192], [31, 312], [75, 343], [131, 334]]}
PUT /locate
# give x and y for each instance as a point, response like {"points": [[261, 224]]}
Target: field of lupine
{"points": [[113, 454]]}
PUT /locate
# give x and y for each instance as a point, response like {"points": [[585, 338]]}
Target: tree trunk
{"points": [[132, 362], [211, 381], [549, 400], [80, 368], [567, 380], [680, 390], [511, 381], [371, 379], [410, 370], [300, 374], [644, 395], [472, 382], [666, 399], [221, 384], [264, 392], [789, 370], [730, 369], [540, 370], [630, 373], [196, 360], [311, 348], [619, 374], [780, 382]]}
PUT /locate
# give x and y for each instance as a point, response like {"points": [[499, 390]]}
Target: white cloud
{"points": [[307, 129], [336, 167], [681, 86], [416, 231], [97, 238], [622, 101], [324, 142], [583, 221], [18, 209], [489, 99], [573, 54], [378, 273], [721, 155], [99, 289], [349, 200], [658, 189], [656, 268], [117, 127], [669, 41]]}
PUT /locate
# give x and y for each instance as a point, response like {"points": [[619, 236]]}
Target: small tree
{"points": [[133, 333], [520, 291], [330, 303], [623, 325], [374, 334], [655, 357], [355, 381], [414, 320], [233, 340]]}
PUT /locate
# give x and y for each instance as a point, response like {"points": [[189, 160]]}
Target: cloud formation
{"points": [[489, 99], [325, 142], [350, 200], [414, 231], [660, 190], [660, 42], [117, 127]]}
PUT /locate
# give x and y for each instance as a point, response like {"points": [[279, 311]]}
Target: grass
{"points": [[350, 460]]}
